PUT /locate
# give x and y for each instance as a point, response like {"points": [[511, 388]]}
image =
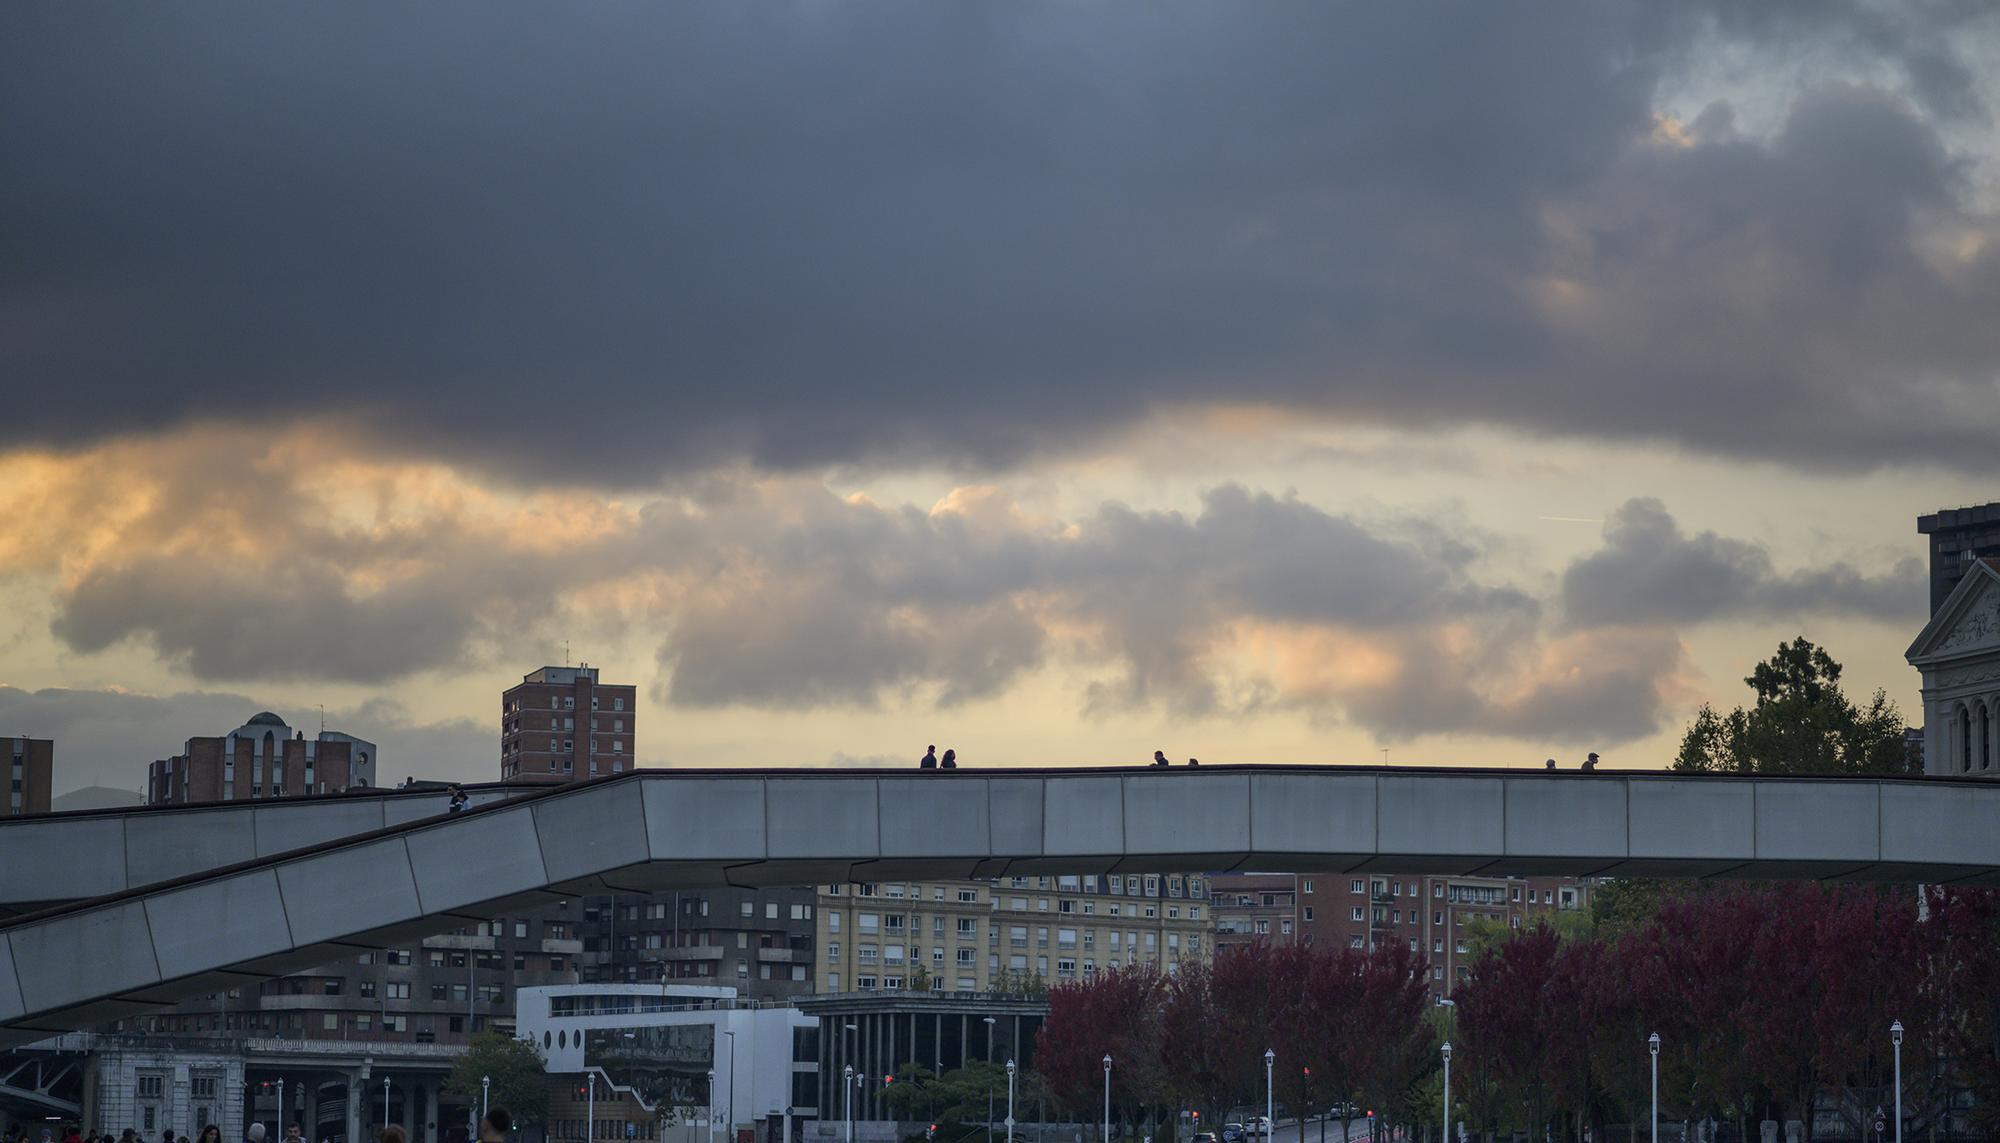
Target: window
{"points": [[1307, 885], [1309, 912], [618, 704], [833, 950], [150, 1087], [965, 957], [833, 921], [969, 896], [1354, 886], [866, 923], [967, 928], [1354, 914]]}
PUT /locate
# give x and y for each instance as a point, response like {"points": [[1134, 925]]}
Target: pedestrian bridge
{"points": [[52, 859], [149, 945]]}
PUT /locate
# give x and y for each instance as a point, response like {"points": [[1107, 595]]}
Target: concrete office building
{"points": [[649, 1050], [30, 776], [964, 936], [561, 724], [1958, 537], [1428, 911], [263, 758], [1254, 908]]}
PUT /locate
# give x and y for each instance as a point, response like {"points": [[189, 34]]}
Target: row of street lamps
{"points": [[1653, 1051]]}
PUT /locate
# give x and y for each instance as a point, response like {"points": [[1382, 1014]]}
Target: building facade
{"points": [[641, 1055], [976, 936], [756, 941], [441, 990], [1254, 908], [1958, 654], [877, 1033], [561, 724], [30, 776], [263, 758], [1429, 912], [1958, 536]]}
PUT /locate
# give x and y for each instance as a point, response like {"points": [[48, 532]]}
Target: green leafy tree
{"points": [[518, 1072], [1801, 723]]}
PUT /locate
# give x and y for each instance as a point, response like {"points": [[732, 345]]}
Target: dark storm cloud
{"points": [[598, 243], [107, 737], [1649, 571]]}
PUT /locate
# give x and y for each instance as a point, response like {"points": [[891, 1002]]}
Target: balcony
{"points": [[783, 956], [692, 952], [454, 941], [562, 947]]}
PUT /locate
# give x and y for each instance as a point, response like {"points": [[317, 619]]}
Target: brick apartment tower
{"points": [[30, 776], [263, 758], [562, 725]]}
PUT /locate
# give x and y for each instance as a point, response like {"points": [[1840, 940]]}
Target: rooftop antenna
{"points": [[565, 652], [322, 718]]}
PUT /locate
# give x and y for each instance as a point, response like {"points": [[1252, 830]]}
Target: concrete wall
{"points": [[651, 831]]}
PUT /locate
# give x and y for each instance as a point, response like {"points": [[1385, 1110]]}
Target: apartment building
{"points": [[1428, 911], [30, 776], [263, 758], [442, 989], [1254, 908], [969, 936], [563, 724], [757, 941]]}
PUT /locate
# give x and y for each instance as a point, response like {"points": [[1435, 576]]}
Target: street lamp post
{"points": [[846, 1097], [385, 1103], [590, 1105], [1010, 1101], [1653, 1048], [281, 1108], [1447, 1091], [485, 1095], [1107, 1097], [732, 1082], [1270, 1108], [1896, 1038]]}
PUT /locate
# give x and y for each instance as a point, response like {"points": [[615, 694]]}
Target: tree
{"points": [[1801, 723], [518, 1073]]}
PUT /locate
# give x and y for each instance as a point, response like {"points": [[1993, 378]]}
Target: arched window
{"points": [[1985, 737], [1964, 738]]}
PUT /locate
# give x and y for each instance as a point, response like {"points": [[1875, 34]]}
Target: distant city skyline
{"points": [[1277, 386]]}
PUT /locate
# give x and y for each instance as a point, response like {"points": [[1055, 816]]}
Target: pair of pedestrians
{"points": [[931, 762]]}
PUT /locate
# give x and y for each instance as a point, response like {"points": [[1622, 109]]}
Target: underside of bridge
{"points": [[151, 945]]}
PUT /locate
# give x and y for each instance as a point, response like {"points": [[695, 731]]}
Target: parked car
{"points": [[1343, 1111], [1233, 1133], [1260, 1126], [1204, 1137]]}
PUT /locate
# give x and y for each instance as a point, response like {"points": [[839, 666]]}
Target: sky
{"points": [[1447, 383]]}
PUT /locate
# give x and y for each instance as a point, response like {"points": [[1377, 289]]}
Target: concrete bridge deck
{"points": [[52, 859], [150, 946]]}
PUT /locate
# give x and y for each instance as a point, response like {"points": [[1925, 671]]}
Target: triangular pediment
{"points": [[1967, 624]]}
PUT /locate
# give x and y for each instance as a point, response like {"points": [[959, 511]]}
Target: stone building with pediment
{"points": [[1959, 656]]}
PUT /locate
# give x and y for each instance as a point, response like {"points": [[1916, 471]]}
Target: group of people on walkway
{"points": [[1589, 763], [72, 1133], [493, 1129], [931, 761]]}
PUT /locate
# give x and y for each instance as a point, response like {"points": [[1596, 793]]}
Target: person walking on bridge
{"points": [[950, 760], [930, 758]]}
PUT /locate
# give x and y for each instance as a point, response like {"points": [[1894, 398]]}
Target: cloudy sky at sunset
{"points": [[1261, 382]]}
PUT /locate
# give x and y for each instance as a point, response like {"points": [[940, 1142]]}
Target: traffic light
{"points": [[931, 1131], [888, 1081]]}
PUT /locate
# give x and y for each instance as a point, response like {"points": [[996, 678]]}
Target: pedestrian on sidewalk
{"points": [[930, 758]]}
